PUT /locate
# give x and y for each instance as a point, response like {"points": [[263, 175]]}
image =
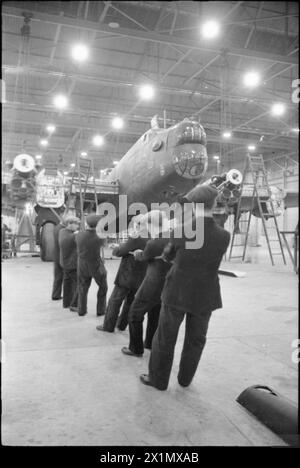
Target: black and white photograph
{"points": [[149, 228]]}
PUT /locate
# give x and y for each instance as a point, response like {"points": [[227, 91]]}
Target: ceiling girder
{"points": [[146, 36]]}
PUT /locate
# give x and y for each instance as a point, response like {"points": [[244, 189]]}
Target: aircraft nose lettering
{"points": [[189, 162]]}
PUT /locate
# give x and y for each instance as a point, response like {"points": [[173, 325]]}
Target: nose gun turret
{"points": [[228, 186]]}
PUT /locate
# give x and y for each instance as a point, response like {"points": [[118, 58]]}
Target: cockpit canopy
{"points": [[189, 132]]}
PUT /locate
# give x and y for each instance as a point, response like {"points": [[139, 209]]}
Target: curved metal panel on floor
{"points": [[274, 410]]}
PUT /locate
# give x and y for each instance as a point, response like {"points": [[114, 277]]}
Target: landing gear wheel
{"points": [[47, 242]]}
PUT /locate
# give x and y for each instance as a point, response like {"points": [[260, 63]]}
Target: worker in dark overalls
{"points": [[147, 299], [128, 279], [191, 291], [57, 270], [68, 262], [90, 265]]}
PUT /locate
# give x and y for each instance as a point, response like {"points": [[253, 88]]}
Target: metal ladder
{"points": [[82, 179], [261, 193]]}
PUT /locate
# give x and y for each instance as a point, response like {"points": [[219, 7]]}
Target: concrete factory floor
{"points": [[65, 383]]}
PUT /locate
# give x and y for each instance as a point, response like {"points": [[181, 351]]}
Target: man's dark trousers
{"points": [[128, 279], [152, 324], [58, 281], [70, 291], [137, 313], [112, 317], [122, 321], [86, 272], [164, 342]]}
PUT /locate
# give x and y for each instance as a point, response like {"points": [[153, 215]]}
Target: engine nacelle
{"points": [[22, 184], [24, 163], [228, 186]]}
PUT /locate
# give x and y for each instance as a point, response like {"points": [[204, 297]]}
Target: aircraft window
{"points": [[157, 145], [191, 133]]}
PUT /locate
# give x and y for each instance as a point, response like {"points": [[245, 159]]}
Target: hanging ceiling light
{"points": [[146, 92], [80, 52], [117, 123], [50, 128], [278, 109], [210, 29], [251, 79], [60, 101], [113, 25], [98, 140]]}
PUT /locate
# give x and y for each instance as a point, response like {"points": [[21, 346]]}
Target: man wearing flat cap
{"points": [[191, 291], [90, 265], [68, 261]]}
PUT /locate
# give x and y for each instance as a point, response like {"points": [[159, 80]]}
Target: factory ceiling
{"points": [[132, 43]]}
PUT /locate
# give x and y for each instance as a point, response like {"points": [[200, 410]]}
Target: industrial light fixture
{"points": [[146, 92], [113, 25], [66, 173], [210, 29], [278, 109], [38, 156], [98, 140], [251, 147], [115, 163], [60, 101], [216, 157], [80, 52], [117, 123], [44, 142], [72, 164], [251, 79], [83, 153], [226, 134], [50, 128]]}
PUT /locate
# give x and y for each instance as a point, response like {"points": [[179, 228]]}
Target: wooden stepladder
{"points": [[255, 182]]}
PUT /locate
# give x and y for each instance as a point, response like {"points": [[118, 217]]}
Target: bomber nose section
{"points": [[189, 149], [190, 160]]}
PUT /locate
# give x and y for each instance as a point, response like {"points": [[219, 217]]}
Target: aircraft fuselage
{"points": [[163, 162]]}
